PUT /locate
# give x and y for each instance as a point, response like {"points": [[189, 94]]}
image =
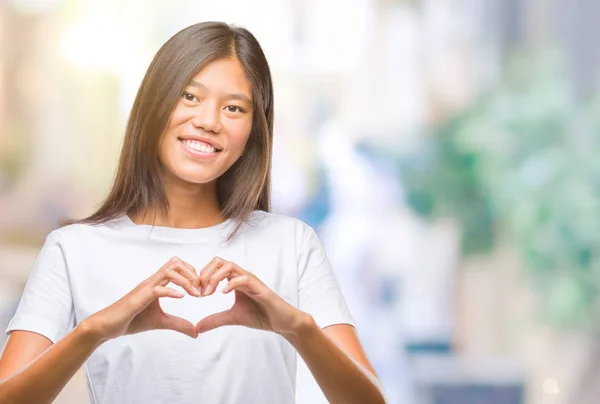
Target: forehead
{"points": [[224, 76]]}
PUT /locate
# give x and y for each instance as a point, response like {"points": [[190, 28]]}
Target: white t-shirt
{"points": [[82, 269]]}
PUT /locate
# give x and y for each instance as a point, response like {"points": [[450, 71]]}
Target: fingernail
{"points": [[207, 290], [196, 291]]}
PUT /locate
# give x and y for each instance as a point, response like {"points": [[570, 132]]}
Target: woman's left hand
{"points": [[256, 306]]}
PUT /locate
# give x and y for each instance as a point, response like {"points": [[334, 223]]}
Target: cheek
{"points": [[167, 153], [180, 115], [238, 134]]}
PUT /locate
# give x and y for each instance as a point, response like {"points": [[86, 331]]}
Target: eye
{"points": [[189, 97], [234, 108]]}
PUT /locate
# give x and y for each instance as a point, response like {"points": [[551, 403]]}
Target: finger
{"points": [[140, 298], [226, 271], [215, 321], [193, 273], [184, 269], [171, 275], [236, 283], [170, 322], [251, 286], [163, 291], [208, 271], [172, 263]]}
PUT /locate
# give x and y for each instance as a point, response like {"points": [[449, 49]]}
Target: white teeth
{"points": [[198, 146]]}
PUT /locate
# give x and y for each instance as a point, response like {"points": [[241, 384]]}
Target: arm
{"points": [[343, 377], [48, 372], [342, 371], [34, 371]]}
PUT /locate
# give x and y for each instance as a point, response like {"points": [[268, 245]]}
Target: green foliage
{"points": [[523, 163]]}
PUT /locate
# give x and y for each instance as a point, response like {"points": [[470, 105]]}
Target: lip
{"points": [[196, 153], [201, 139]]}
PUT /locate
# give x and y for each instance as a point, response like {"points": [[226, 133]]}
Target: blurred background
{"points": [[446, 151]]}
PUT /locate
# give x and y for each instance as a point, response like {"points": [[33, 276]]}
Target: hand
{"points": [[256, 306], [139, 310]]}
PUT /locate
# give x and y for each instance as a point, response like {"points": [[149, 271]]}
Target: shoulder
{"points": [[75, 230], [271, 220], [279, 225], [81, 233]]}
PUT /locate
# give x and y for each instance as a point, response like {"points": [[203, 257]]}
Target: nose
{"points": [[207, 117]]}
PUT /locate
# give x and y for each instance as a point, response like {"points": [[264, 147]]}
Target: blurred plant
{"points": [[12, 157], [522, 164]]}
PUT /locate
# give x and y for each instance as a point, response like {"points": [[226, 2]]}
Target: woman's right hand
{"points": [[139, 310]]}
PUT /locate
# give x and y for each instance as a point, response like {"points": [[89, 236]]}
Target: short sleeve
{"points": [[319, 293], [46, 305]]}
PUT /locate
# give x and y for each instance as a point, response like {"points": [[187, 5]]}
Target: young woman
{"points": [[188, 212]]}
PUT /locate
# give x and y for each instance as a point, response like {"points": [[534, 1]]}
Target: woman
{"points": [[188, 212]]}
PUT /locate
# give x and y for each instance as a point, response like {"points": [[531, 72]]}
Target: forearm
{"points": [[339, 376], [43, 379]]}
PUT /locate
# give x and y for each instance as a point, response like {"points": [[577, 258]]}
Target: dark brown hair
{"points": [[138, 181]]}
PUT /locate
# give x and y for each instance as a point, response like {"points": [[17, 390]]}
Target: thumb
{"points": [[170, 322], [216, 320]]}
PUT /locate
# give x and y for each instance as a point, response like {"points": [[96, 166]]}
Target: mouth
{"points": [[198, 146]]}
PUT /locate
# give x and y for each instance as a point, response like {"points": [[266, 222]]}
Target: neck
{"points": [[191, 206]]}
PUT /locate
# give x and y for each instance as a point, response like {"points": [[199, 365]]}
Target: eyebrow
{"points": [[234, 96]]}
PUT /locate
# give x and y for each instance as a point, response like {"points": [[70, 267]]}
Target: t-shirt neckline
{"points": [[211, 233]]}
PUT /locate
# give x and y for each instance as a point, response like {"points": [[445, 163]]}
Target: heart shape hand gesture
{"points": [[256, 306]]}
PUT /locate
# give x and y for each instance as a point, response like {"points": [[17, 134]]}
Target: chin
{"points": [[195, 172], [197, 178]]}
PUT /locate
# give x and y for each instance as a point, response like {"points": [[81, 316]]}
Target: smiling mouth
{"points": [[198, 146]]}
